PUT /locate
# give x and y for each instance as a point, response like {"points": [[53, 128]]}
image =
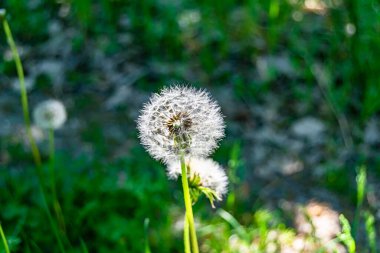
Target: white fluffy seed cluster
{"points": [[50, 114], [185, 121], [211, 174], [180, 119]]}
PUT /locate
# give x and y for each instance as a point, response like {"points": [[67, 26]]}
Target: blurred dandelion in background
{"points": [[50, 114]]}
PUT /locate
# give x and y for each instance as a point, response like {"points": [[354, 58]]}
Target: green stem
{"points": [[24, 97], [188, 206], [25, 107], [56, 205], [186, 235], [4, 240]]}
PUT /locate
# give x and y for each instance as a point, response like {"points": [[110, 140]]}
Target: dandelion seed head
{"points": [[210, 173], [180, 119], [50, 114]]}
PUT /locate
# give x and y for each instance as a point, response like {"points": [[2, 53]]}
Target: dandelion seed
{"points": [[202, 173], [180, 120], [50, 114]]}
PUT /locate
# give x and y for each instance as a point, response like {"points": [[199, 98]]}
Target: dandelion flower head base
{"points": [[179, 123], [205, 176], [180, 120]]}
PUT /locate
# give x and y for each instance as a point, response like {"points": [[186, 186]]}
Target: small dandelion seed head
{"points": [[211, 175], [180, 119], [50, 114]]}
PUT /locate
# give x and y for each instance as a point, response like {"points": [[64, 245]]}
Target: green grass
{"points": [[104, 199]]}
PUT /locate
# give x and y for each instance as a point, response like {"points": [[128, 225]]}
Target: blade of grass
{"points": [[371, 231], [234, 223], [4, 239], [345, 236], [361, 181]]}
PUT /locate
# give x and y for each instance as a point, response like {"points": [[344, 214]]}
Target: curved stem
{"points": [[4, 240], [24, 97], [25, 107], [186, 235], [188, 206]]}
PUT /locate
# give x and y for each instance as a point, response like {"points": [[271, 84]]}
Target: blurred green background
{"points": [[298, 85]]}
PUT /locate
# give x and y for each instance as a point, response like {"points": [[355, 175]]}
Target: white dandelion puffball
{"points": [[211, 174], [179, 120], [50, 114]]}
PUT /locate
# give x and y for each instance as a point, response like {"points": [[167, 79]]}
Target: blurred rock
{"points": [[295, 146], [28, 81], [118, 97], [278, 164], [324, 221], [125, 39], [259, 153], [309, 128], [58, 42], [54, 69], [269, 65], [6, 126], [125, 21], [268, 135], [124, 91], [267, 113], [372, 132], [237, 112], [54, 27], [291, 167]]}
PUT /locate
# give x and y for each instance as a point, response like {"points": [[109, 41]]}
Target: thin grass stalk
{"points": [[146, 236], [361, 181], [56, 206], [4, 240], [371, 231], [35, 152], [24, 97], [186, 235], [188, 206]]}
